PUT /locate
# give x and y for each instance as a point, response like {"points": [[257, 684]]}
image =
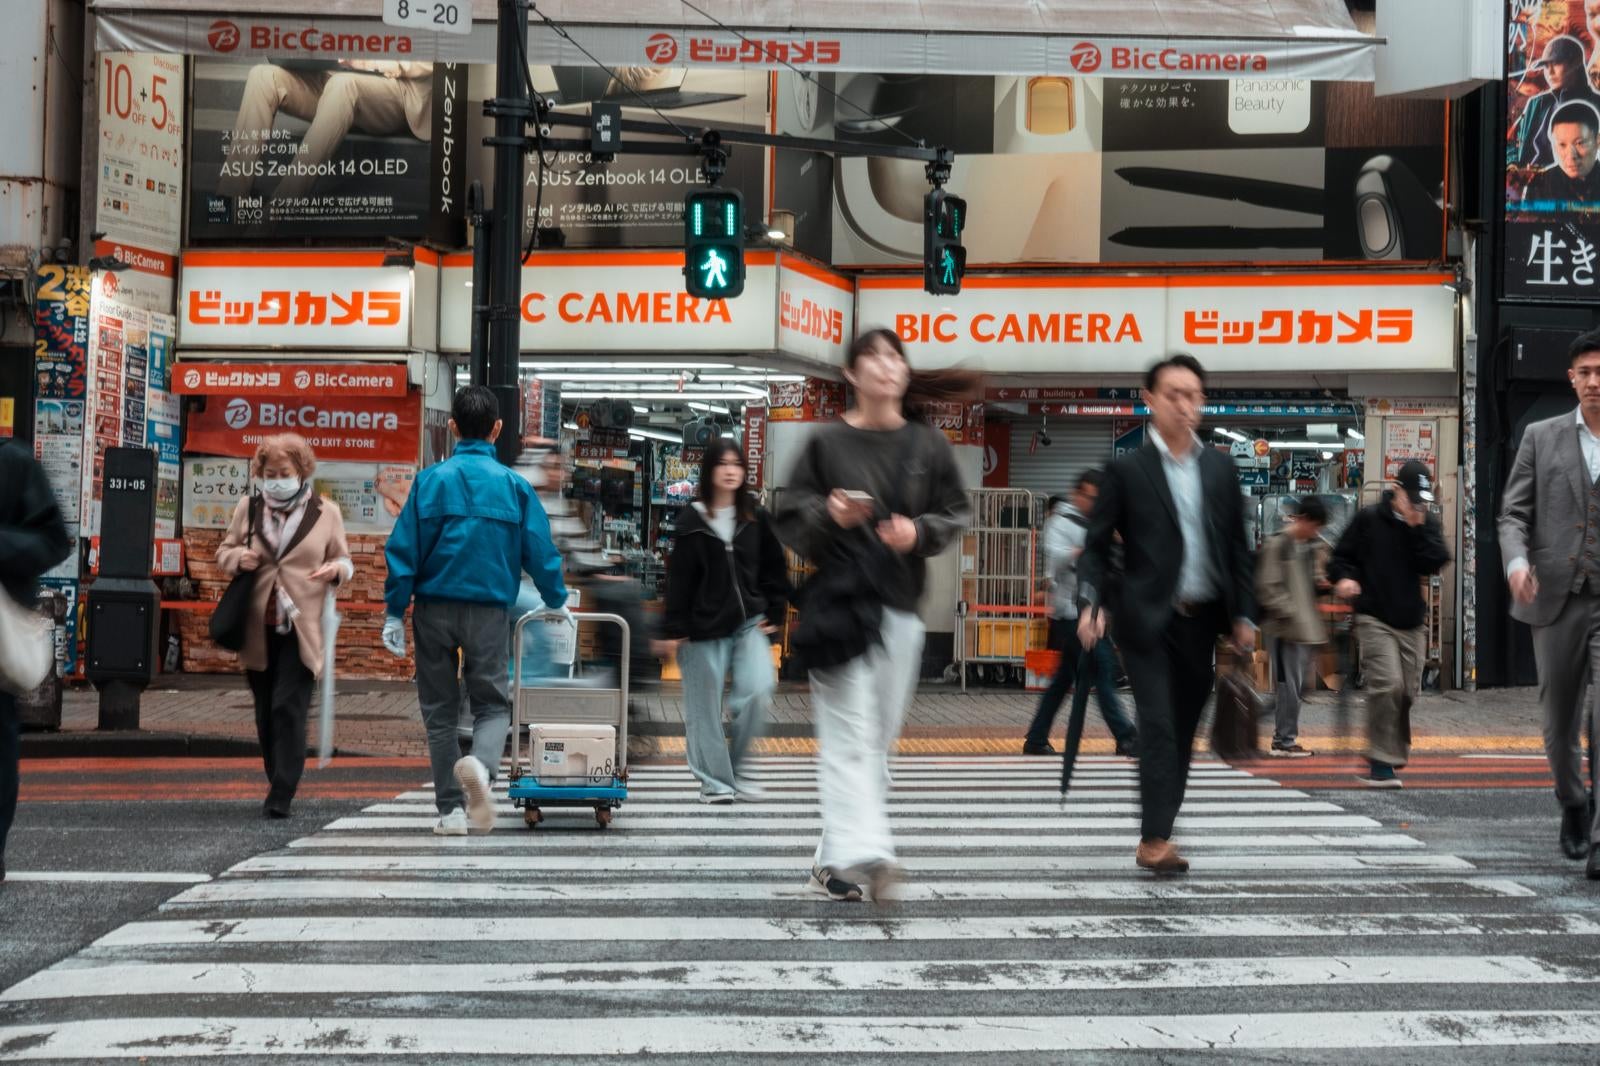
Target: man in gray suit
{"points": [[1550, 539]]}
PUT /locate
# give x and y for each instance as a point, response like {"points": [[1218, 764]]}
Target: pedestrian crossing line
{"points": [[97, 980], [645, 778], [277, 889], [697, 814], [992, 803], [1186, 823], [613, 840], [1120, 862], [628, 931]]}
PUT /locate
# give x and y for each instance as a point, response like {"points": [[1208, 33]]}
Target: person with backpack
{"points": [[1062, 544], [1292, 626], [727, 590]]}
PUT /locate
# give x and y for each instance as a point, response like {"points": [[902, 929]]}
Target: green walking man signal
{"points": [[713, 244], [944, 260]]}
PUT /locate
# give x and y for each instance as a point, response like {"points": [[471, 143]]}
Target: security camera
{"points": [[1044, 438]]}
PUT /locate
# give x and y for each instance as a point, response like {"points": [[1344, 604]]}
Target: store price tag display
{"points": [[441, 16]]}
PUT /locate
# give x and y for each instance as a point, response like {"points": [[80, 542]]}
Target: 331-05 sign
{"points": [[441, 16]]}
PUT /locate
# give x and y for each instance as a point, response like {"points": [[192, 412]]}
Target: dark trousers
{"points": [[282, 695], [10, 756], [1103, 666], [1171, 683]]}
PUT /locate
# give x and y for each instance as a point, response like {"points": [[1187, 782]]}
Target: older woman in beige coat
{"points": [[297, 551]]}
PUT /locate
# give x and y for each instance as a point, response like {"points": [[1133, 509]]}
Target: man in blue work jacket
{"points": [[468, 531]]}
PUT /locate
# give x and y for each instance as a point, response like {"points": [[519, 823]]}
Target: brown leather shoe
{"points": [[1160, 856]]}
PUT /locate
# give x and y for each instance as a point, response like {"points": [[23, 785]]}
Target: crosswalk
{"points": [[1024, 932]]}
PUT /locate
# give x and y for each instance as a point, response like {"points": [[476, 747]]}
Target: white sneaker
{"points": [[749, 791], [453, 824], [473, 777], [716, 797]]}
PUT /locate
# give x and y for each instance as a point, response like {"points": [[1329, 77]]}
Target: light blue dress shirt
{"points": [[1197, 576]]}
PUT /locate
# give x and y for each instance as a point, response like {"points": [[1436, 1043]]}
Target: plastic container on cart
{"points": [[569, 735]]}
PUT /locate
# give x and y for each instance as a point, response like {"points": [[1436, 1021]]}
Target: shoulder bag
{"points": [[231, 619], [27, 647]]}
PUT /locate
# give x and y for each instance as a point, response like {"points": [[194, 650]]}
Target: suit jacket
{"points": [[319, 539], [1136, 502], [1542, 511]]}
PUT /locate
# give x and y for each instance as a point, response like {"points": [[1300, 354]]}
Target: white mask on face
{"points": [[281, 488]]}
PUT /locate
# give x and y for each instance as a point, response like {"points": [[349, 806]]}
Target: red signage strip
{"points": [[327, 380], [370, 429]]}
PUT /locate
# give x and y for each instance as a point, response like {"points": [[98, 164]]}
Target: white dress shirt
{"points": [[1590, 446], [1197, 577]]}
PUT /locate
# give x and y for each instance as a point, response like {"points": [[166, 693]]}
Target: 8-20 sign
{"points": [[441, 16]]}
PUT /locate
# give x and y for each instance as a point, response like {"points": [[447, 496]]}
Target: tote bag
{"points": [[27, 647], [231, 619]]}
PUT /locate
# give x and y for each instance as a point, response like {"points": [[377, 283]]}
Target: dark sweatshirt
{"points": [[32, 536], [714, 587], [909, 471], [1389, 559]]}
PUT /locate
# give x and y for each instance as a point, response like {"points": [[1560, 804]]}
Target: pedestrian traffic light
{"points": [[944, 261], [714, 244]]}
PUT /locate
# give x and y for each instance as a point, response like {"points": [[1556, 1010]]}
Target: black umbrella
{"points": [[1080, 708]]}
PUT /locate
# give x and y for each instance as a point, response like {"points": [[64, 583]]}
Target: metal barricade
{"points": [[1002, 613]]}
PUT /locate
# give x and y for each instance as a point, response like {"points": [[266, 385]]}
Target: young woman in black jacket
{"points": [[727, 587]]}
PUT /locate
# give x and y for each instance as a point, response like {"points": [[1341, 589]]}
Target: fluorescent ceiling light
{"points": [[650, 434], [614, 395], [1355, 434], [1230, 434], [1305, 445], [716, 408], [1327, 455], [659, 365], [640, 410]]}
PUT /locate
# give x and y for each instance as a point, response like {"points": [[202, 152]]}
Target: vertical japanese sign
{"points": [[755, 446], [61, 344], [1552, 222]]}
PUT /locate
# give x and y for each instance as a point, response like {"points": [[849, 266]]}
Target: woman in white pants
{"points": [[870, 498]]}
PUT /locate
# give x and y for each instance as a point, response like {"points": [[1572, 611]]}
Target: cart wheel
{"points": [[603, 816], [531, 817]]}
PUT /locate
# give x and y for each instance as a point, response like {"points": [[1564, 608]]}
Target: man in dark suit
{"points": [[1188, 578]]}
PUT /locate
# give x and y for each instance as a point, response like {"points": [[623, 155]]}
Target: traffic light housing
{"points": [[944, 260], [713, 244]]}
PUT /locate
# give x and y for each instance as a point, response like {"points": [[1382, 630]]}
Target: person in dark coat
{"points": [[33, 538]]}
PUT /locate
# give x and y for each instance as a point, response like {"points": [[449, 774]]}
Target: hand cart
{"points": [[568, 704]]}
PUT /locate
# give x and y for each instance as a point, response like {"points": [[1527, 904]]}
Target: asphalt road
{"points": [[1429, 925]]}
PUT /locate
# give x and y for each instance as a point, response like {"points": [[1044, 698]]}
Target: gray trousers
{"points": [[1391, 663], [1289, 663], [481, 636], [1567, 652]]}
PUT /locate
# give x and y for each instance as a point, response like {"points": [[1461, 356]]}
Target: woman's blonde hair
{"points": [[290, 446]]}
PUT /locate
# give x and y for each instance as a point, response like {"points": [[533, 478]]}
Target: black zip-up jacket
{"points": [[1389, 559], [714, 587], [32, 535]]}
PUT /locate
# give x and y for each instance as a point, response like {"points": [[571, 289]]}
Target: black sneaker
{"points": [[825, 883], [1129, 749], [1038, 749], [1382, 775]]}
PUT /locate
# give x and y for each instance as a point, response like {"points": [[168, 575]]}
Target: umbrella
{"points": [[1080, 709], [330, 633]]}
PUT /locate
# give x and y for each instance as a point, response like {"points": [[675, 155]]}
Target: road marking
{"points": [[1186, 822], [1479, 755], [827, 1034], [130, 877], [242, 890], [925, 805], [208, 978], [1273, 862], [586, 839]]}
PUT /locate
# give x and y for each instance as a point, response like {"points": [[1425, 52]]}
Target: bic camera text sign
{"points": [[333, 300], [1336, 322]]}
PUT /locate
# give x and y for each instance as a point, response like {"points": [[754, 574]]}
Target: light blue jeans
{"points": [[713, 756]]}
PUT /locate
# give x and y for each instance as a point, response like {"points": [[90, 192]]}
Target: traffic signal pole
{"points": [[511, 110]]}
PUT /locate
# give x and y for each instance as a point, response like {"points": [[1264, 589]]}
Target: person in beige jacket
{"points": [[298, 551], [1286, 589]]}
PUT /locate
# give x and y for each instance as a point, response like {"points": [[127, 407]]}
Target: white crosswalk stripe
{"points": [[1023, 932]]}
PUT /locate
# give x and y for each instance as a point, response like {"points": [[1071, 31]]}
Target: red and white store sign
{"points": [[323, 380], [875, 36], [294, 299], [150, 281], [816, 311], [1231, 322], [620, 301], [370, 429]]}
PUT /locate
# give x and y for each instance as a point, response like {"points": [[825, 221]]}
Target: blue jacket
{"points": [[468, 531]]}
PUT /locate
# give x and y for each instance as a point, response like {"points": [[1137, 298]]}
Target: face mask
{"points": [[281, 488]]}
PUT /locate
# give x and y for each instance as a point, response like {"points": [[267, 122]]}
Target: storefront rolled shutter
{"points": [[1075, 446]]}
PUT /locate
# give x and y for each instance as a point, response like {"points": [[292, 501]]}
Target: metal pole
{"points": [[512, 110], [479, 215]]}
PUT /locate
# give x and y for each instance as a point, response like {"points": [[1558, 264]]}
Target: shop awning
{"points": [[1192, 39]]}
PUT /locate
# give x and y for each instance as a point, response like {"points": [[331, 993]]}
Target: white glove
{"points": [[554, 614], [394, 636]]}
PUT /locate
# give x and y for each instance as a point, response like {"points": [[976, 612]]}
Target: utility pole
{"points": [[512, 111]]}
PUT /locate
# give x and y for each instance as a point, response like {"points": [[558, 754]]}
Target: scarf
{"points": [[279, 522]]}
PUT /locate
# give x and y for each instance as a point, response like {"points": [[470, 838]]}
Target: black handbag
{"points": [[230, 622], [1235, 731]]}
